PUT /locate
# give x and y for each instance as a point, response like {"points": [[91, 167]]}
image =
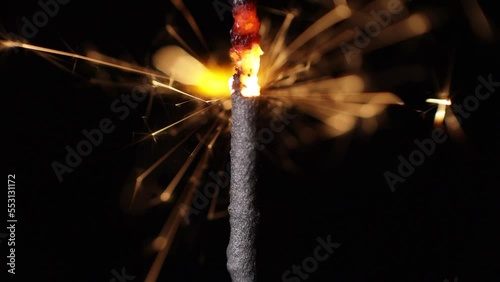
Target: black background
{"points": [[440, 223]]}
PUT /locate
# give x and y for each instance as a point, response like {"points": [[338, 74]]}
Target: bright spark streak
{"points": [[177, 37], [446, 102], [441, 110], [140, 178], [159, 84], [13, 44], [333, 17], [167, 193], [336, 15], [181, 120], [179, 4], [174, 220]]}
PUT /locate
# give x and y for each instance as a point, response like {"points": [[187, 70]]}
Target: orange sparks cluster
{"points": [[246, 51]]}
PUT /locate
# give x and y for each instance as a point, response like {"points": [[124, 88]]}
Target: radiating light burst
{"points": [[292, 74]]}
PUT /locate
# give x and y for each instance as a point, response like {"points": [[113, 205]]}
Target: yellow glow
{"points": [[184, 68], [213, 83], [248, 61]]}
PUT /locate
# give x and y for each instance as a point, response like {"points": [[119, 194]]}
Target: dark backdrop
{"points": [[439, 224]]}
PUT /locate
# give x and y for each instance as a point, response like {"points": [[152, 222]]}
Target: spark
{"points": [[98, 60], [443, 117], [445, 102], [441, 109], [14, 44], [179, 121]]}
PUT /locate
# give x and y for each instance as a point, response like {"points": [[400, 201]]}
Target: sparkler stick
{"points": [[243, 213]]}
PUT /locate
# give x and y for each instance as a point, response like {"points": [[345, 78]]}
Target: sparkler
{"points": [[243, 214], [292, 75]]}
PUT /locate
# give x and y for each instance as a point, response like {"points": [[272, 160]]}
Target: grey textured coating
{"points": [[243, 213]]}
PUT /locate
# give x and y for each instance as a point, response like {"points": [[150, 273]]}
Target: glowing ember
{"points": [[246, 51]]}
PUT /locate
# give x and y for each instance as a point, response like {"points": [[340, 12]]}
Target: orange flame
{"points": [[246, 49]]}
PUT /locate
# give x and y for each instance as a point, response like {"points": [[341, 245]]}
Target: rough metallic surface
{"points": [[243, 214]]}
